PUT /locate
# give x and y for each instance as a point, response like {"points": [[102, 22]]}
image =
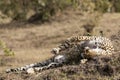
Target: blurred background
{"points": [[44, 10]]}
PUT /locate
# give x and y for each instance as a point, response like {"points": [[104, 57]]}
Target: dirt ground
{"points": [[33, 42]]}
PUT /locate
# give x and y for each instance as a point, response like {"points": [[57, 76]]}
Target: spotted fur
{"points": [[101, 42], [84, 47], [55, 61]]}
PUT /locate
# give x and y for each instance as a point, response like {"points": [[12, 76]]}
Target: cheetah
{"points": [[84, 46], [102, 43]]}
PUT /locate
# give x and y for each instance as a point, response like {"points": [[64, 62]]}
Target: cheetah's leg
{"points": [[55, 61], [70, 42], [50, 66], [65, 45]]}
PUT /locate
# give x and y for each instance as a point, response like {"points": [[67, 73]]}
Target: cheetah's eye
{"points": [[95, 42]]}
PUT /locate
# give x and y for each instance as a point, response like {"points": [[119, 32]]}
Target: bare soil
{"points": [[33, 43]]}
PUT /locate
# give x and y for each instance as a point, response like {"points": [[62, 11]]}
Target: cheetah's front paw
{"points": [[83, 61], [55, 50]]}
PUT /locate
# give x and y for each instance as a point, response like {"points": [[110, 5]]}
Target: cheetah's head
{"points": [[93, 52]]}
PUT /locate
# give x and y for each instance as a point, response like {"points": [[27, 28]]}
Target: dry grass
{"points": [[34, 42]]}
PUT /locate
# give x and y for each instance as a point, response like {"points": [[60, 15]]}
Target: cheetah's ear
{"points": [[101, 33], [87, 34]]}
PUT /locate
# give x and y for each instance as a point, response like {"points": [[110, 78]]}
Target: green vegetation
{"points": [[19, 9], [102, 5], [6, 50]]}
